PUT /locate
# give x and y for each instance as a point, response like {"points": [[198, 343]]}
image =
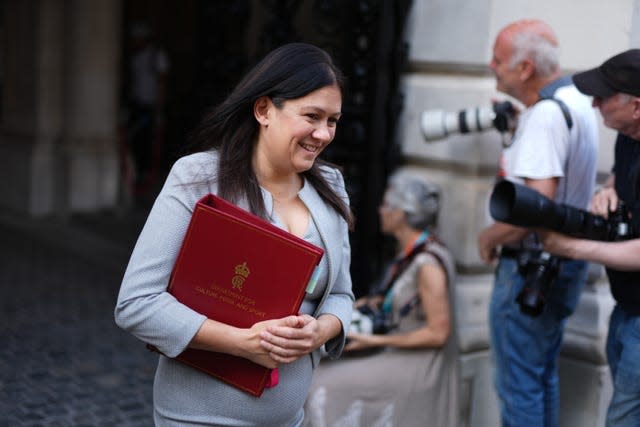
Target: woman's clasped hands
{"points": [[287, 339]]}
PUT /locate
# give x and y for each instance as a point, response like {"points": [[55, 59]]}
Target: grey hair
{"points": [[626, 98], [543, 53], [418, 198]]}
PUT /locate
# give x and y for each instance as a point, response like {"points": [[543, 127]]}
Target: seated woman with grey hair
{"points": [[412, 379]]}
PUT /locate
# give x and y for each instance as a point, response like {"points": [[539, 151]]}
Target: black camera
{"points": [[380, 321], [539, 269], [438, 124], [522, 206]]}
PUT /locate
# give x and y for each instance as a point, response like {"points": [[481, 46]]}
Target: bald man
{"points": [[553, 150]]}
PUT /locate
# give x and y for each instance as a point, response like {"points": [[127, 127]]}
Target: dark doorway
{"points": [[211, 43]]}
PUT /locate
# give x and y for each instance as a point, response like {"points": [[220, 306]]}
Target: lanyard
{"points": [[399, 264]]}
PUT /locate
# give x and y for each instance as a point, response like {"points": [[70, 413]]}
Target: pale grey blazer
{"points": [[146, 310]]}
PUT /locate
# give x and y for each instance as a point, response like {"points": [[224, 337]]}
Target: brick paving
{"points": [[63, 361]]}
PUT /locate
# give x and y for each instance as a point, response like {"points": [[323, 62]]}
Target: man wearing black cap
{"points": [[615, 88]]}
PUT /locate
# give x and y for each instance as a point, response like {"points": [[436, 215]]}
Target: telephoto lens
{"points": [[439, 124], [517, 204]]}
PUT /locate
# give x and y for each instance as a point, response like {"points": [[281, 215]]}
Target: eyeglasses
{"points": [[386, 206]]}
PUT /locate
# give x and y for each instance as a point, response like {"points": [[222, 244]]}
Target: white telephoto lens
{"points": [[439, 124], [434, 125]]}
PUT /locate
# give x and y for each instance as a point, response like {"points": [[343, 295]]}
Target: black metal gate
{"points": [[365, 38]]}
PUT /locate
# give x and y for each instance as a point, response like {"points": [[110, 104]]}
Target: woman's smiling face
{"points": [[291, 137]]}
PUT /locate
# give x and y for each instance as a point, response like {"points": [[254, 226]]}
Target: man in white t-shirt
{"points": [[553, 150]]}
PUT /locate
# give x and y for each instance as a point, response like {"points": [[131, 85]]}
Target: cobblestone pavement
{"points": [[63, 361]]}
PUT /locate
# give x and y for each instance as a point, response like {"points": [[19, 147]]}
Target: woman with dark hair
{"points": [[411, 378], [258, 149]]}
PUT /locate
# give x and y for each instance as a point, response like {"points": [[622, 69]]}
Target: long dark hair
{"points": [[291, 71]]}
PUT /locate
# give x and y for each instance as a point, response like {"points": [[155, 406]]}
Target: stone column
{"points": [[58, 146], [89, 134], [31, 114]]}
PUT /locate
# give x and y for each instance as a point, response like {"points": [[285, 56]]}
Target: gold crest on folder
{"points": [[242, 272]]}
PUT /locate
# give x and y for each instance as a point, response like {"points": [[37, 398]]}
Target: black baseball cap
{"points": [[620, 73]]}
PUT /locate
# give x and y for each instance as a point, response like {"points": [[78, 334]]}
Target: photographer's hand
{"points": [[363, 341], [507, 115], [487, 251], [374, 301], [604, 201], [496, 235]]}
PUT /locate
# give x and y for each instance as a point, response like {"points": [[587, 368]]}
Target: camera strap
{"points": [[420, 246], [413, 302], [563, 108], [548, 92], [402, 262]]}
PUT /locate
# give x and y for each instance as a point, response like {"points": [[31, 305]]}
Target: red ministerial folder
{"points": [[239, 269]]}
